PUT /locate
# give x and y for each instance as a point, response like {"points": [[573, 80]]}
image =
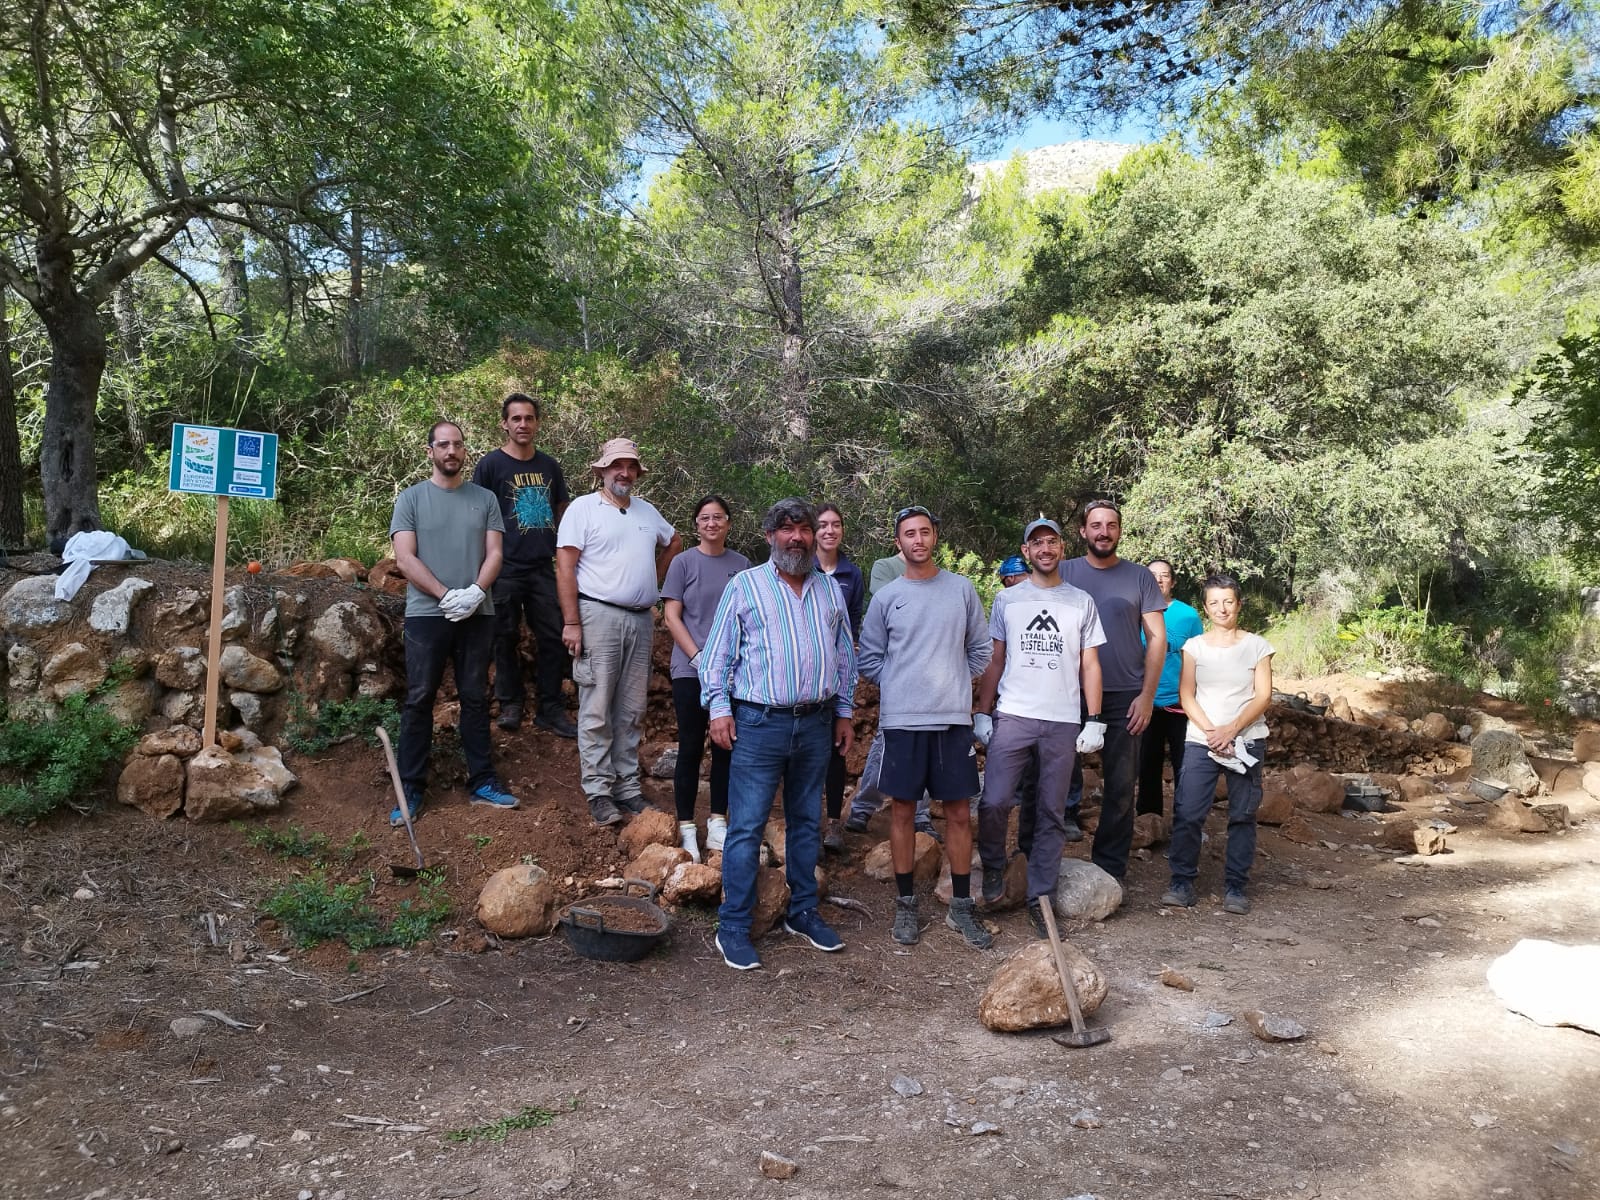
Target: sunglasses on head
{"points": [[915, 510]]}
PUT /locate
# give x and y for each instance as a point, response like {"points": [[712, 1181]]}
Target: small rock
{"points": [[242, 1141], [651, 827], [300, 1135], [1216, 1020], [188, 1027], [666, 764], [1319, 883], [1427, 840], [1328, 1048], [83, 893], [1176, 979], [775, 1166], [1483, 1120], [1172, 1075], [1087, 1120], [238, 952], [1085, 892], [980, 1128], [518, 901], [1428, 922], [1273, 1028], [906, 1086]]}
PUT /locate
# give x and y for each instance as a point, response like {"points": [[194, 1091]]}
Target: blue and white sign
{"points": [[224, 462]]}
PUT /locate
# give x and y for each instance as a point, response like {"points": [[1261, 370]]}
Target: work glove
{"points": [[695, 661], [982, 728], [1092, 737], [460, 603]]}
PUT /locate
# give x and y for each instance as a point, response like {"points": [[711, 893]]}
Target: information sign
{"points": [[212, 461]]}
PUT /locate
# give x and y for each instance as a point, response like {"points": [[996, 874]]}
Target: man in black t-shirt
{"points": [[532, 493]]}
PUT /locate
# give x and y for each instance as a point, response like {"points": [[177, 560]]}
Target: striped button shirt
{"points": [[770, 646]]}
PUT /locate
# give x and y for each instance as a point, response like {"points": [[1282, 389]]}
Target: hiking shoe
{"points": [[510, 716], [557, 723], [1236, 902], [634, 804], [1074, 831], [603, 811], [832, 837], [815, 930], [962, 917], [907, 925], [1036, 916], [716, 832], [856, 824], [994, 884], [737, 950], [491, 795], [1179, 895], [414, 803]]}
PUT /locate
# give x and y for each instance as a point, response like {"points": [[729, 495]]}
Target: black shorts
{"points": [[941, 762]]}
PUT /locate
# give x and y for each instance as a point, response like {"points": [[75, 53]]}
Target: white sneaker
{"points": [[716, 832], [688, 840]]}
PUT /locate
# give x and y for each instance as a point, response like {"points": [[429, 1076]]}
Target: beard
{"points": [[795, 561], [620, 489], [1108, 552], [449, 469]]}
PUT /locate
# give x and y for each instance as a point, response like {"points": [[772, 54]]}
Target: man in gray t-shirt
{"points": [[447, 534]]}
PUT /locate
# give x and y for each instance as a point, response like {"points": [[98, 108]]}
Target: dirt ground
{"points": [[670, 1076]]}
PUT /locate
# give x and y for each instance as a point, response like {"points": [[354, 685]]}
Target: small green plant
{"points": [[313, 909], [355, 845], [337, 721], [292, 842], [51, 762], [480, 841], [531, 1116]]}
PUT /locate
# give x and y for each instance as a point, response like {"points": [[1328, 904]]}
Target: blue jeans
{"points": [[770, 748], [1197, 790]]}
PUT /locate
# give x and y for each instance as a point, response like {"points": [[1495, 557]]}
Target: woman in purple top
{"points": [[830, 534], [694, 583]]}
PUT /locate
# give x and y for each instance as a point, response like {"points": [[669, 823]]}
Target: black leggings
{"points": [[693, 722], [833, 785], [1163, 743]]}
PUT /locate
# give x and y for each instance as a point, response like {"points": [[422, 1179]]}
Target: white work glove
{"points": [[1092, 738], [982, 728], [695, 661], [460, 603]]}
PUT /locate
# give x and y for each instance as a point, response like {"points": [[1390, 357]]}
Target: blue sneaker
{"points": [[491, 795], [737, 950], [414, 803], [814, 929]]}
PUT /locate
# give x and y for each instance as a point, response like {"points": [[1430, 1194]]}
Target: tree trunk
{"points": [[234, 275], [352, 329], [66, 457], [11, 523], [130, 342], [794, 373]]}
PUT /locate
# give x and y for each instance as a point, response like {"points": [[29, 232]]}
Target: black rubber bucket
{"points": [[590, 934]]}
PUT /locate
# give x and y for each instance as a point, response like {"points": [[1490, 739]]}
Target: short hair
{"points": [[828, 506], [433, 429], [914, 510], [789, 511], [1165, 562], [712, 498], [1098, 502], [519, 398], [1220, 580]]}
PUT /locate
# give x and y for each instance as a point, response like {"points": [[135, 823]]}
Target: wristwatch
{"points": [[1093, 717]]}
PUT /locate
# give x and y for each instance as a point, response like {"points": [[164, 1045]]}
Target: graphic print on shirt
{"points": [[1042, 637], [530, 502]]}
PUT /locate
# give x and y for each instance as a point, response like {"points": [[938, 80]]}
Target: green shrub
{"points": [[313, 909], [292, 842], [48, 763], [530, 1117], [337, 721]]}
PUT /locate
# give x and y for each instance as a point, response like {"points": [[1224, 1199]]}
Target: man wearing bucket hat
{"points": [[612, 550]]}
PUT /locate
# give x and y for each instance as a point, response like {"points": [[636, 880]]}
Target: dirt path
{"points": [[670, 1076]]}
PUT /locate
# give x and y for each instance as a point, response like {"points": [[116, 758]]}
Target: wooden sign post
{"points": [[217, 462]]}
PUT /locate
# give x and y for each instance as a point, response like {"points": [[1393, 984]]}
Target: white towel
{"points": [[79, 554]]}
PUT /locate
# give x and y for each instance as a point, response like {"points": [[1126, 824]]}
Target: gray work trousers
{"points": [[1017, 741], [613, 678]]}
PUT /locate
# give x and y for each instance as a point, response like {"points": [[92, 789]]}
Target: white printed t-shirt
{"points": [[1225, 681], [1045, 632], [617, 548]]}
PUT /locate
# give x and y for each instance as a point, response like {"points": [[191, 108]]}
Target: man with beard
{"points": [[1045, 667], [612, 550], [923, 642], [1128, 600], [533, 496], [778, 675], [446, 534]]}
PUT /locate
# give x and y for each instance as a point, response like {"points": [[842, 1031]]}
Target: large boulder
{"points": [[651, 827], [1277, 805], [1549, 983], [655, 862], [181, 740], [112, 610], [1150, 829], [772, 900], [346, 633], [518, 901], [927, 856], [1586, 745], [1437, 726], [131, 701], [1319, 792], [693, 883], [22, 668], [153, 784], [1499, 754], [182, 668], [71, 670], [1026, 991], [245, 672], [1086, 893], [222, 785], [32, 604]]}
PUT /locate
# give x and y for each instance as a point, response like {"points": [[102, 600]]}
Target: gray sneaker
{"points": [[1236, 902], [635, 804], [994, 884], [907, 925], [963, 918], [603, 811], [1179, 895]]}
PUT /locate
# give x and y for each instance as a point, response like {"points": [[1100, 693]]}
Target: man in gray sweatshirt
{"points": [[923, 641]]}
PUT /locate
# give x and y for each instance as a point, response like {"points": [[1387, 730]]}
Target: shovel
{"points": [[401, 870], [1081, 1036]]}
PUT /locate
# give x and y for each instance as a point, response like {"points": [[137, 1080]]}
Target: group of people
{"points": [[1076, 656]]}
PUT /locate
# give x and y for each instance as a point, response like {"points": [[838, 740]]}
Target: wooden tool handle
{"points": [[1047, 910]]}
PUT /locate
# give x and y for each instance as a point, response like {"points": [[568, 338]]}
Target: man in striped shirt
{"points": [[778, 674]]}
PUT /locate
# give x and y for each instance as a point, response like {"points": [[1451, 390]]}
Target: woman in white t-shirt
{"points": [[1225, 689]]}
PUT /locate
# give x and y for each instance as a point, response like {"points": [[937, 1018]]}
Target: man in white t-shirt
{"points": [[612, 550], [1045, 662]]}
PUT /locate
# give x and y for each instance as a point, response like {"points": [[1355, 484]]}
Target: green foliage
{"points": [[313, 909], [1561, 394], [50, 762], [338, 721], [530, 1116], [1381, 639], [983, 575], [291, 842]]}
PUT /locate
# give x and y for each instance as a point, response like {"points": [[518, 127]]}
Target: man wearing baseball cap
{"points": [[1045, 667], [612, 550]]}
